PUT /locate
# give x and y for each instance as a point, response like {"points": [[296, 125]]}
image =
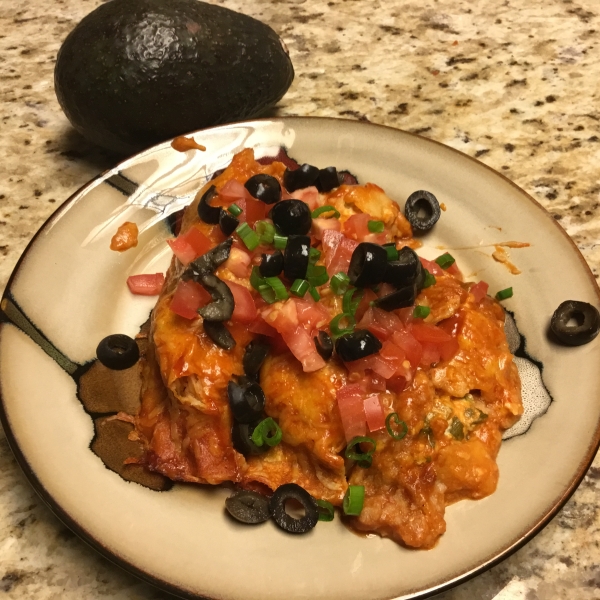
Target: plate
{"points": [[68, 292]]}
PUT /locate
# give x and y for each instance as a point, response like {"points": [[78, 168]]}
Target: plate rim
{"points": [[171, 588]]}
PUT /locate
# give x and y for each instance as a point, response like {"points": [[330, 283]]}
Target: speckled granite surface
{"points": [[513, 83]]}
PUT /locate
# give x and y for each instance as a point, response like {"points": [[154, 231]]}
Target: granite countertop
{"points": [[512, 83]]}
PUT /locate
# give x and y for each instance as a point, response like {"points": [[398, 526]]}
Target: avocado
{"points": [[137, 72]]}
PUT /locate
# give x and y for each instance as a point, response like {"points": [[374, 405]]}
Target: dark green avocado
{"points": [[136, 72]]}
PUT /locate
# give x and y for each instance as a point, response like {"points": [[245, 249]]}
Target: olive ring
{"points": [[292, 491], [586, 324], [118, 352]]}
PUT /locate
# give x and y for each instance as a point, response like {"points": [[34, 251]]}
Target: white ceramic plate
{"points": [[72, 288]]}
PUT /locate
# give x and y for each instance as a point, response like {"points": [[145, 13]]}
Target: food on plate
{"points": [[125, 238], [134, 73], [575, 323], [307, 352], [118, 351]]}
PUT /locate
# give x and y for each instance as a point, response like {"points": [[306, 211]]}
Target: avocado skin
{"points": [[137, 72]]}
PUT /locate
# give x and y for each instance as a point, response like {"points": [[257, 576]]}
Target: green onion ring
{"points": [[402, 426], [354, 500], [325, 209], [334, 325], [267, 432], [349, 303], [326, 510], [363, 459]]}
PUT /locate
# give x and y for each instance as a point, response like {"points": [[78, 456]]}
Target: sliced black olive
{"points": [[300, 178], [219, 334], [246, 402], [118, 352], [221, 308], [403, 271], [292, 491], [254, 356], [575, 323], [420, 278], [227, 222], [399, 299], [356, 345], [209, 214], [328, 179], [291, 217], [271, 264], [295, 259], [324, 345], [422, 210], [367, 265], [264, 187], [248, 507], [241, 437], [209, 261]]}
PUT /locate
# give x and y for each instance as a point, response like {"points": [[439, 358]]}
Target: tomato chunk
{"points": [[479, 291], [352, 410], [146, 285], [244, 310], [374, 413], [190, 245], [189, 296]]}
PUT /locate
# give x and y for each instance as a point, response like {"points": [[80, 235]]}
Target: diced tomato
{"points": [[374, 383], [397, 384], [364, 304], [411, 347], [431, 353], [302, 346], [426, 332], [454, 270], [254, 210], [479, 291], [369, 322], [376, 238], [319, 226], [189, 245], [189, 296], [450, 326], [352, 410], [449, 349], [146, 285], [260, 327], [239, 262], [233, 191], [431, 266], [311, 313], [357, 226], [244, 310], [338, 251], [374, 413], [308, 195], [182, 250]]}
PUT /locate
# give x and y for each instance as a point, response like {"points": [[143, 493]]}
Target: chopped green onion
{"points": [[300, 287], [313, 256], [256, 280], [504, 294], [429, 279], [267, 432], [326, 511], [235, 210], [277, 285], [248, 236], [482, 417], [456, 429], [267, 293], [354, 500], [354, 452], [339, 283], [445, 260], [314, 292], [335, 328], [317, 275], [421, 312], [375, 226], [325, 209], [279, 241], [392, 253], [401, 426], [349, 302], [265, 230]]}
